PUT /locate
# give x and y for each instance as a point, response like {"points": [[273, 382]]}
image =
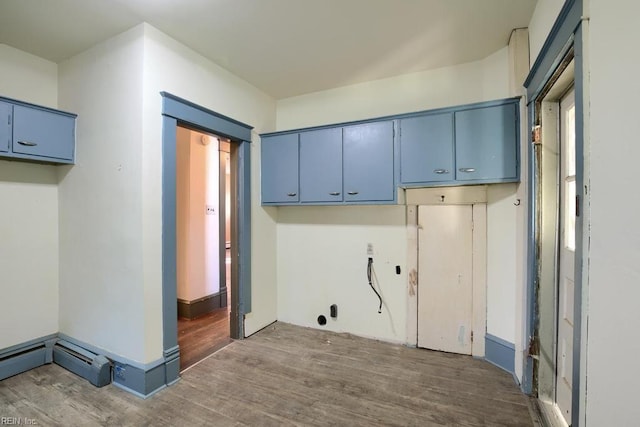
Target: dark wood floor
{"points": [[203, 336], [287, 375]]}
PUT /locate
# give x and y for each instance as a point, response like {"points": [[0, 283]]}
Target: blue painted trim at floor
{"points": [[141, 379], [27, 355], [500, 353]]}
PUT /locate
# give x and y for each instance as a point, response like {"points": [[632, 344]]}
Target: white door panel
{"points": [[445, 293], [564, 361]]}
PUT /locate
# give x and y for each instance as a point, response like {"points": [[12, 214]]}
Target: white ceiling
{"points": [[283, 47]]}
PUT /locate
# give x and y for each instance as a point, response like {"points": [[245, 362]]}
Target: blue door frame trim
{"points": [[177, 111], [566, 33]]}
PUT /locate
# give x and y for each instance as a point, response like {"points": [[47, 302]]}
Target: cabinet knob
{"points": [[352, 193], [440, 171], [292, 194], [334, 193], [467, 169], [28, 143]]}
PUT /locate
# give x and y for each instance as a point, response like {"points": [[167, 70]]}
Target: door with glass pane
{"points": [[567, 255]]}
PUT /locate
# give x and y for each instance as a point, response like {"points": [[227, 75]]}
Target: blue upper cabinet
{"points": [[426, 149], [6, 110], [368, 162], [321, 166], [280, 168], [487, 143], [37, 134], [357, 163], [43, 133]]}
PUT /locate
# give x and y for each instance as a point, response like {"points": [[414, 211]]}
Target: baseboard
{"points": [[500, 353], [192, 309], [140, 379], [141, 382], [25, 356]]}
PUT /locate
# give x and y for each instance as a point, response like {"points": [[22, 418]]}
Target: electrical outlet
{"points": [[370, 249], [119, 372]]}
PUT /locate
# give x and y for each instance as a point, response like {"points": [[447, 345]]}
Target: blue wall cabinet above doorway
{"points": [[34, 133], [364, 162], [469, 144], [426, 149], [486, 143]]}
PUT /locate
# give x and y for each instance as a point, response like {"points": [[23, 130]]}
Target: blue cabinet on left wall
{"points": [[6, 115], [37, 134], [280, 167]]}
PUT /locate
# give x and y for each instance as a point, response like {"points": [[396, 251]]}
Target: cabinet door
{"points": [[5, 125], [321, 165], [486, 143], [426, 149], [279, 162], [43, 133], [368, 162]]}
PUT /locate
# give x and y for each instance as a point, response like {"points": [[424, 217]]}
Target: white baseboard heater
{"points": [[93, 367]]}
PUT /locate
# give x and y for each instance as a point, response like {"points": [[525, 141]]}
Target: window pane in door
{"points": [[570, 140], [570, 214]]}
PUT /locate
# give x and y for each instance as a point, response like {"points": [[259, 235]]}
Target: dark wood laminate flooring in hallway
{"points": [[287, 375], [200, 337]]}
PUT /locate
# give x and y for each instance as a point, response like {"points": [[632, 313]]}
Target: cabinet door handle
{"points": [[352, 193], [292, 194], [440, 171], [28, 143], [467, 169], [334, 193]]}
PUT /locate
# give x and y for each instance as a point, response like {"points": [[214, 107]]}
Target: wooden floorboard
{"points": [[287, 375], [200, 337]]}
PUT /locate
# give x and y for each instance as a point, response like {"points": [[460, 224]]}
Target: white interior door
{"points": [[564, 361], [445, 291]]}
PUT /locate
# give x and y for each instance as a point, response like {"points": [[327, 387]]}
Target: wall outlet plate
{"points": [[370, 249]]}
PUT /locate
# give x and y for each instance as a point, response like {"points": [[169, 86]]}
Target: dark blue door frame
{"points": [[566, 35], [177, 111]]}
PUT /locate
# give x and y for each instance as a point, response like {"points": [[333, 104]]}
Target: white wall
{"points": [[321, 251], [111, 277], [172, 67], [322, 260], [29, 214], [501, 261], [614, 270], [197, 231], [442, 87], [101, 298], [543, 18]]}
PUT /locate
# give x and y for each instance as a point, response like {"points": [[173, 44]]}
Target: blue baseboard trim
{"points": [[141, 379], [25, 356], [142, 383], [500, 353], [172, 365]]}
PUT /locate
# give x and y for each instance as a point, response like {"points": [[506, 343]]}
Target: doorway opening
{"points": [[181, 112], [203, 243], [555, 180]]}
